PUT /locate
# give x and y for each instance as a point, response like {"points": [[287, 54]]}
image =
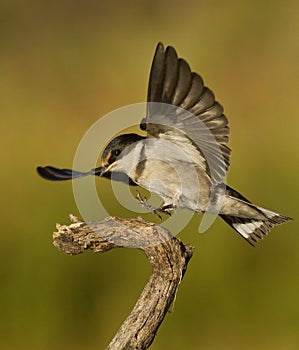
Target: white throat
{"points": [[130, 159]]}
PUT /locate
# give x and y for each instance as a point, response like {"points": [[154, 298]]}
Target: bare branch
{"points": [[167, 255]]}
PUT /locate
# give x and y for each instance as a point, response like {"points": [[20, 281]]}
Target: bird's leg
{"points": [[165, 209], [145, 204]]}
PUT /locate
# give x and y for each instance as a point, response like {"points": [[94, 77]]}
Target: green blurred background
{"points": [[63, 64]]}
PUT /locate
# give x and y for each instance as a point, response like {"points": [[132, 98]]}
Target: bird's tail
{"points": [[252, 229]]}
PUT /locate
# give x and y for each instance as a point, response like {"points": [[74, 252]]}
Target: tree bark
{"points": [[167, 255]]}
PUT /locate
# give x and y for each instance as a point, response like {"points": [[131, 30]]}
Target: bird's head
{"points": [[116, 150]]}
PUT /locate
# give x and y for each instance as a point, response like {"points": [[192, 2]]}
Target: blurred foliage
{"points": [[63, 64]]}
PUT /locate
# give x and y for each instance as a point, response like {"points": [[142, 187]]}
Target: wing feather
{"points": [[204, 126], [170, 74], [183, 84]]}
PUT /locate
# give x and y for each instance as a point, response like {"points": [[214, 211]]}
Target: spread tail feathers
{"points": [[253, 229]]}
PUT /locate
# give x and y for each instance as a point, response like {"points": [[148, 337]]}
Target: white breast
{"points": [[168, 170]]}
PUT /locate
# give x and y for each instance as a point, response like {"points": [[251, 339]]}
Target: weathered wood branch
{"points": [[167, 255]]}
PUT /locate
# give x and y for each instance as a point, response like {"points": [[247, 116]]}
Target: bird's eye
{"points": [[116, 152]]}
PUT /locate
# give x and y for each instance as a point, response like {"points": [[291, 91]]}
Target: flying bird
{"points": [[184, 156]]}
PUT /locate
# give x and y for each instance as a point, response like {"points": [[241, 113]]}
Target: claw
{"points": [[167, 209], [155, 212]]}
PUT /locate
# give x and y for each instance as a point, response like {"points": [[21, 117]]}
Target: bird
{"points": [[184, 156]]}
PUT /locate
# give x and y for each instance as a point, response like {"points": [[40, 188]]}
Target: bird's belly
{"points": [[178, 183]]}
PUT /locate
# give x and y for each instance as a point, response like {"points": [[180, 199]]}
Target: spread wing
{"points": [[181, 109]]}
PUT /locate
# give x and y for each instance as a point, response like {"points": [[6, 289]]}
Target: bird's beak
{"points": [[99, 171], [102, 170]]}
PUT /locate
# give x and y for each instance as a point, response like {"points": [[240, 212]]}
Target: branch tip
{"points": [[167, 255]]}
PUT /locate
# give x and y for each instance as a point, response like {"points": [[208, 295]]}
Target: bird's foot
{"points": [[164, 209]]}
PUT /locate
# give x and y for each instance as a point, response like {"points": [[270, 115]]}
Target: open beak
{"points": [[102, 170], [99, 171]]}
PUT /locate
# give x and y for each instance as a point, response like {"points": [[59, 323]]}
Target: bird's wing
{"points": [[181, 108]]}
